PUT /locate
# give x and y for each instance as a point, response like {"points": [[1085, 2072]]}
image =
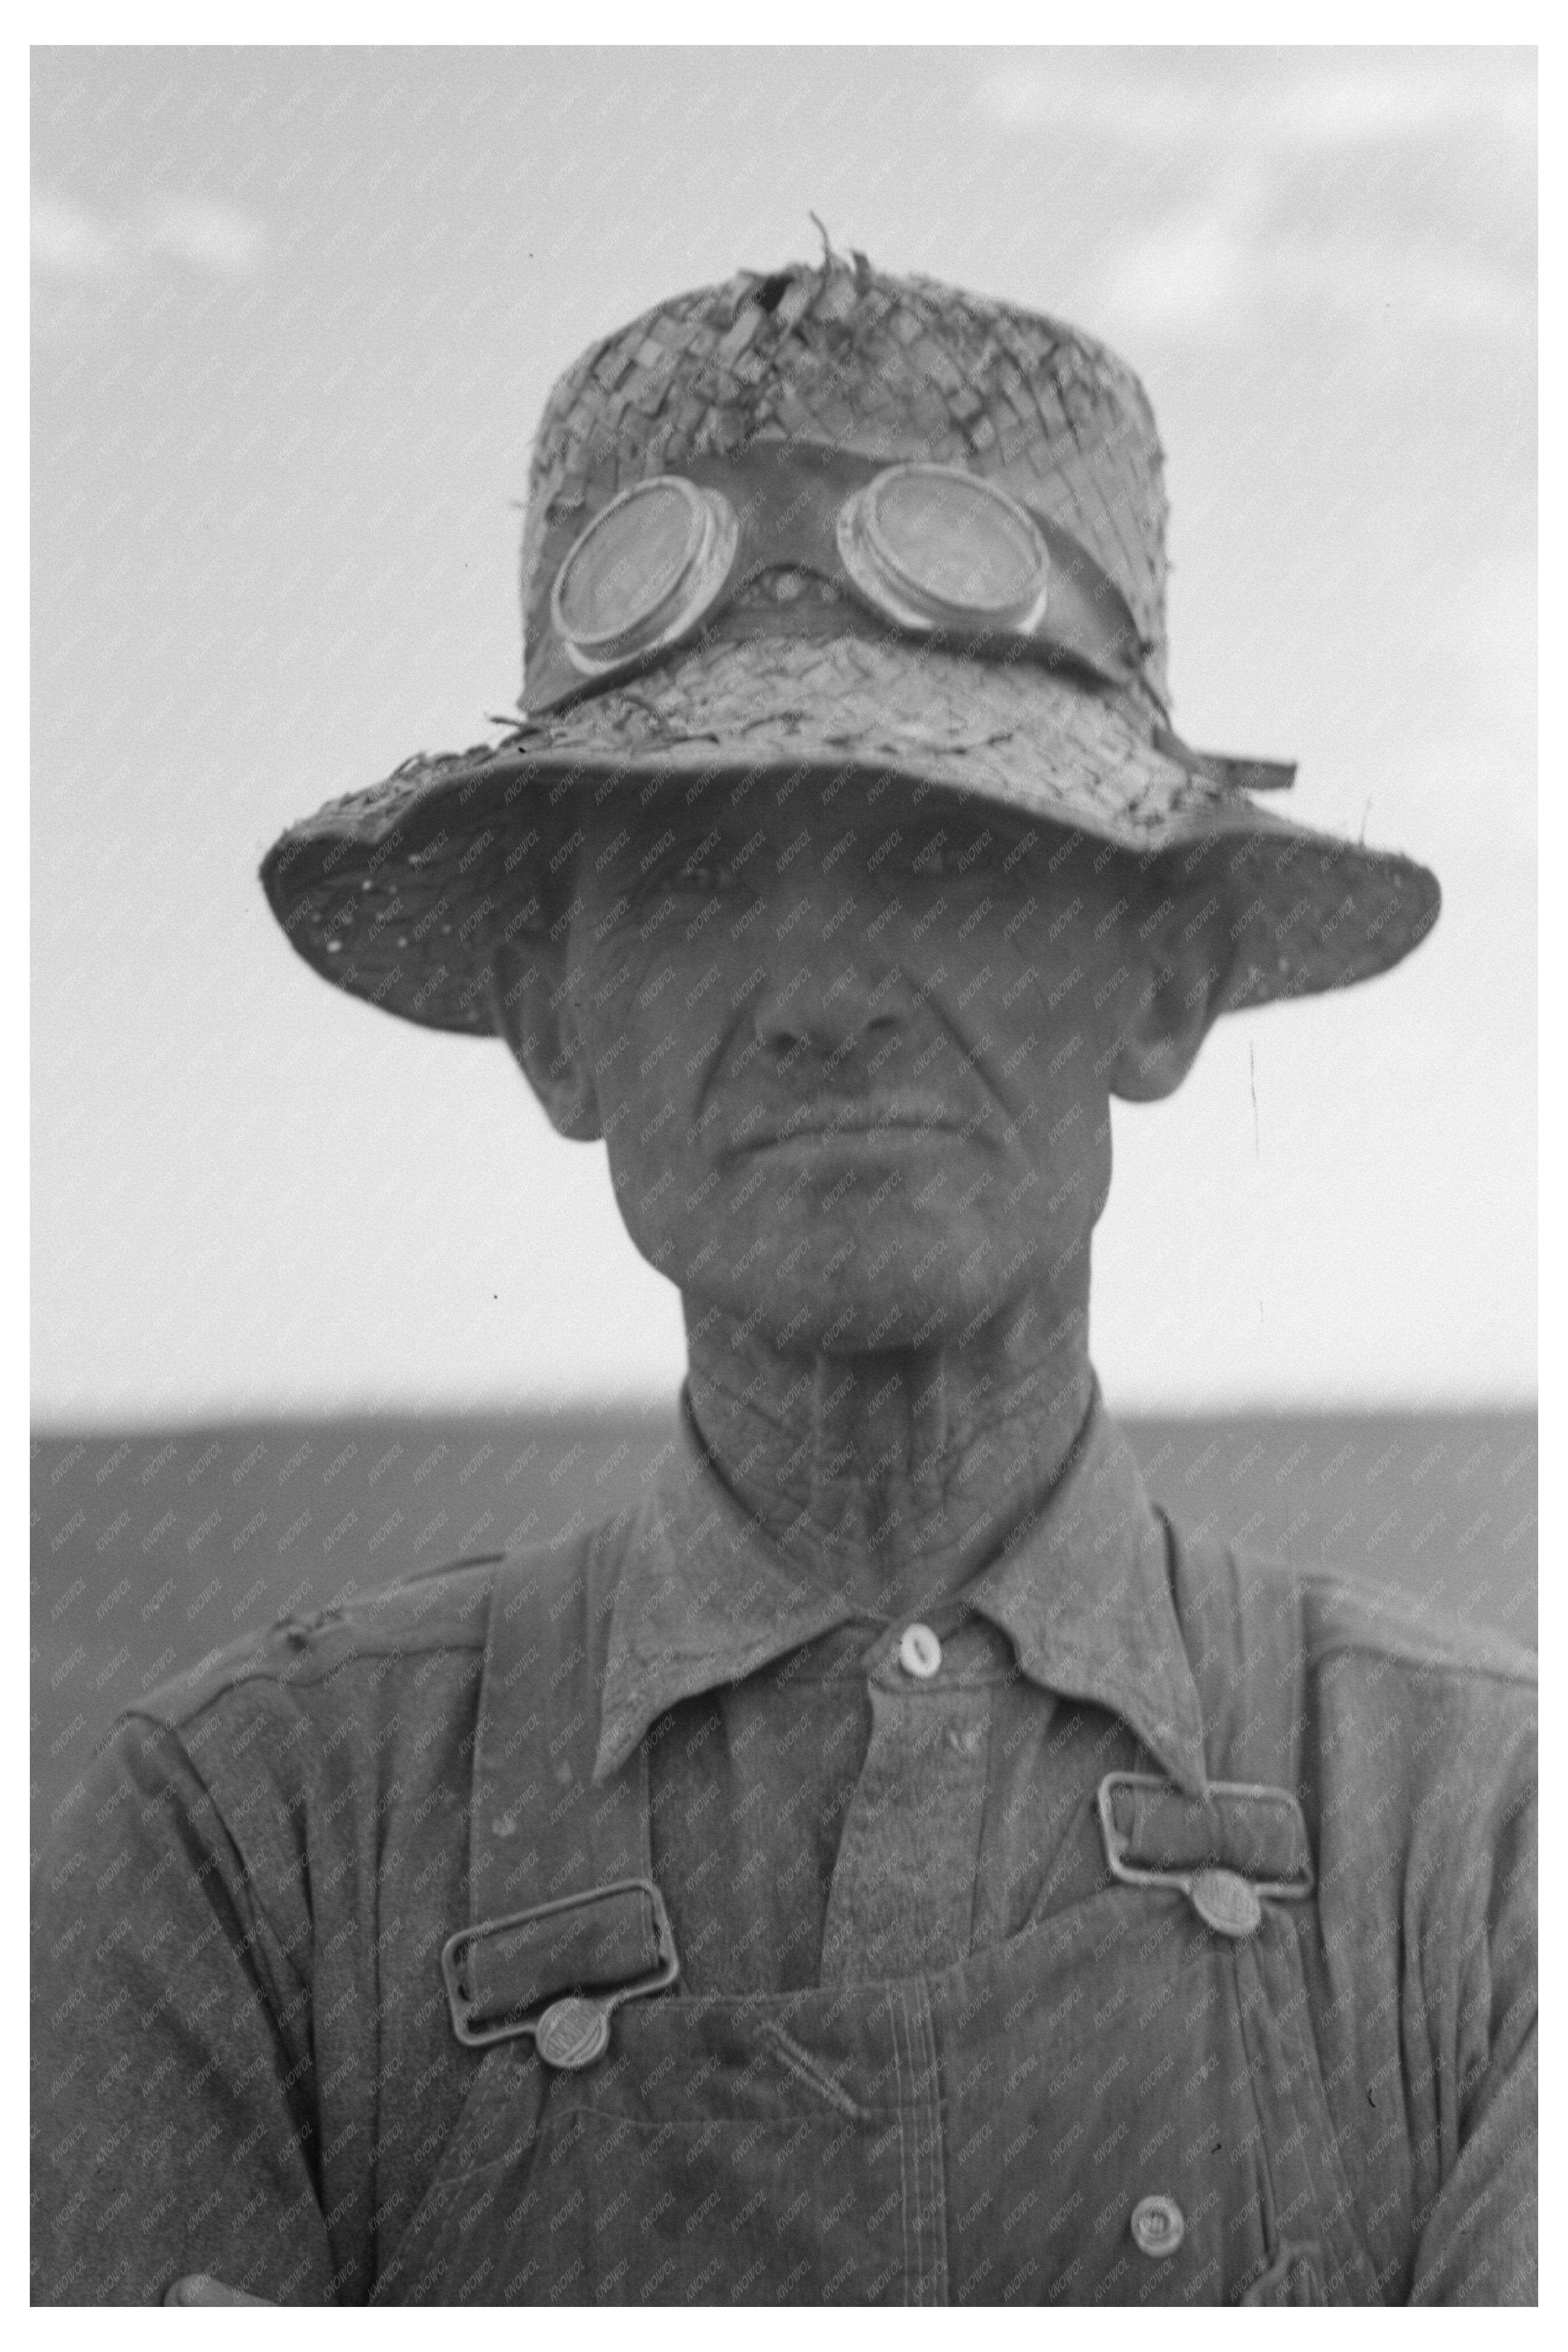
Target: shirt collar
{"points": [[1082, 1589]]}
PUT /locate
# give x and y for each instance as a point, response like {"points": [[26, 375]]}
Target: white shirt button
{"points": [[919, 1653], [1159, 2225]]}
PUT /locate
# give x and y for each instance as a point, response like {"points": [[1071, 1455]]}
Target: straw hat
{"points": [[816, 441]]}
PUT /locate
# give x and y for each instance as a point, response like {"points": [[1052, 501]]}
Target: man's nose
{"points": [[832, 1002]]}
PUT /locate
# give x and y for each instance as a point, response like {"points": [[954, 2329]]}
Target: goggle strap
{"points": [[1233, 772]]}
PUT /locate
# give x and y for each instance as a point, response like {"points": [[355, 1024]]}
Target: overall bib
{"points": [[1121, 2103]]}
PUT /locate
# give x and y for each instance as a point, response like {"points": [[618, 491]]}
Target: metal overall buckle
{"points": [[572, 2029], [1224, 1899]]}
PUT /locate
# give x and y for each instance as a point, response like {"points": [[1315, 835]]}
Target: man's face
{"points": [[847, 1048]]}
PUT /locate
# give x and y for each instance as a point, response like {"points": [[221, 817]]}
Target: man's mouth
{"points": [[896, 1122]]}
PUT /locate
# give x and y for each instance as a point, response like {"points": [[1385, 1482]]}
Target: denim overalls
{"points": [[1120, 2103]]}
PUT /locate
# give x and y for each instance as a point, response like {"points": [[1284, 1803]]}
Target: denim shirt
{"points": [[243, 2058]]}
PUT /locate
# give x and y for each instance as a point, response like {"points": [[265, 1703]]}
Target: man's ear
{"points": [[1177, 959], [530, 993]]}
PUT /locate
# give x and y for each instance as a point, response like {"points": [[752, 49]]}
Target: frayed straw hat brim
{"points": [[397, 894]]}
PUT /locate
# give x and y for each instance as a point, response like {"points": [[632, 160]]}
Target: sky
{"points": [[295, 315]]}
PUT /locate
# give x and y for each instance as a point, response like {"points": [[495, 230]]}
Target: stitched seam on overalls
{"points": [[977, 1851], [923, 2282], [937, 2208], [903, 2145], [916, 2295], [1336, 2220], [1255, 2041], [802, 2064]]}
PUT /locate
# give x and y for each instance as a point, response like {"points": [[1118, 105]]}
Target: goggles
{"points": [[813, 542], [932, 550]]}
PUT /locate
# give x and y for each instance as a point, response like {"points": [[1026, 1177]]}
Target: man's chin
{"points": [[805, 1320]]}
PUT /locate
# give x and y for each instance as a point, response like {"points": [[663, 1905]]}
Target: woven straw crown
{"points": [[896, 369]]}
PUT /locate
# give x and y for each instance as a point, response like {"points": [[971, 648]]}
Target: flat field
{"points": [[150, 1550]]}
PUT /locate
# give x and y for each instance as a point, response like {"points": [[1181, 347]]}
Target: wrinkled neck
{"points": [[894, 1477]]}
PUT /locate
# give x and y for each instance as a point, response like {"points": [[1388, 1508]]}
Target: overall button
{"points": [[572, 2033], [1225, 1901], [919, 1653], [1158, 2226]]}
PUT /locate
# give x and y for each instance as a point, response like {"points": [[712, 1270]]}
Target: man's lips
{"points": [[894, 1123]]}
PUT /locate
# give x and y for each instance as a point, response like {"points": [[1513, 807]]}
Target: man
{"points": [[891, 1864]]}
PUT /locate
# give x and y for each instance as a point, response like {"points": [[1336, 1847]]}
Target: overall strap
{"points": [[1245, 1837], [538, 1828], [561, 1894], [1242, 1624]]}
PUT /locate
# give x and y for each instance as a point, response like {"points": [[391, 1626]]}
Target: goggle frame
{"points": [[820, 511], [670, 611]]}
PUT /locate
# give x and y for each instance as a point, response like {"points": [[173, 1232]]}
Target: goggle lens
{"points": [[956, 542], [628, 566]]}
